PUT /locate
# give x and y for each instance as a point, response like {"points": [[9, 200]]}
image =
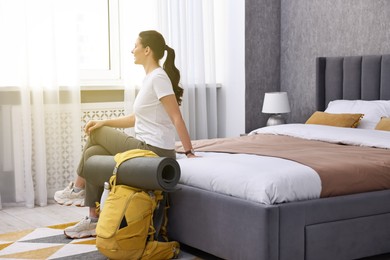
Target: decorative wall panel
{"points": [[59, 175], [62, 155]]}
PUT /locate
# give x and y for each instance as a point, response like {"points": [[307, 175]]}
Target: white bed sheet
{"points": [[270, 180], [342, 135], [262, 179]]}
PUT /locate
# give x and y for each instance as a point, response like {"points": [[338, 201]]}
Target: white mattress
{"points": [[270, 180]]}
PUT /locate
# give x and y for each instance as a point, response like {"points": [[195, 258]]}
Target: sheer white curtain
{"points": [[132, 22], [39, 56], [188, 27]]}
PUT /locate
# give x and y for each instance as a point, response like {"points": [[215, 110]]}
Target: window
{"points": [[98, 22], [47, 26], [106, 31]]}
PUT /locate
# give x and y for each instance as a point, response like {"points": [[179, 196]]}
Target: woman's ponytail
{"points": [[173, 73], [156, 42]]}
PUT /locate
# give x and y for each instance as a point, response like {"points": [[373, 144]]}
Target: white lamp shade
{"points": [[276, 103]]}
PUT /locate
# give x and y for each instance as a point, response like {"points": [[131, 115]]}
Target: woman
{"points": [[155, 119]]}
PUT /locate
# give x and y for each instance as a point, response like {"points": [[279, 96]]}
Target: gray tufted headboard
{"points": [[352, 77]]}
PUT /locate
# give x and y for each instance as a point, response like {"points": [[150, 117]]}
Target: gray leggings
{"points": [[109, 141]]}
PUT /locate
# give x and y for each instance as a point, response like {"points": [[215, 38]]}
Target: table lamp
{"points": [[276, 103]]}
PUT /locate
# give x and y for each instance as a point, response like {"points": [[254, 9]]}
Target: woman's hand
{"points": [[92, 125], [191, 155]]}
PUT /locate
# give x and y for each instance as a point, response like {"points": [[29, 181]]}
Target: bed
{"points": [[311, 222]]}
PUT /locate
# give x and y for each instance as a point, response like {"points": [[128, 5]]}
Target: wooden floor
{"points": [[17, 218]]}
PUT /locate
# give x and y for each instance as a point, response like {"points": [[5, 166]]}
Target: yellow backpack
{"points": [[125, 228]]}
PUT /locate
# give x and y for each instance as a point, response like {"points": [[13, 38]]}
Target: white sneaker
{"points": [[85, 228], [69, 197]]}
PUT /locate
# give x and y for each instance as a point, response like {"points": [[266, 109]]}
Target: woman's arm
{"points": [[170, 104], [120, 122]]}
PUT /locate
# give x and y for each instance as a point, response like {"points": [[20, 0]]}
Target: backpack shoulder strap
{"points": [[160, 218], [127, 155]]}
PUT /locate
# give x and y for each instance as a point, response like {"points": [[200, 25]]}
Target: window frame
{"points": [[90, 78]]}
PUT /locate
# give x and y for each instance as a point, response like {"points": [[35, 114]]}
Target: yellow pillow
{"points": [[384, 124], [341, 120]]}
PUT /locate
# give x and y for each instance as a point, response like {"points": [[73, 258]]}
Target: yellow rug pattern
{"points": [[47, 243]]}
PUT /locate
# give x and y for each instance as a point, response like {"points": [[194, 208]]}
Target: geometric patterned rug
{"points": [[51, 243], [47, 243]]}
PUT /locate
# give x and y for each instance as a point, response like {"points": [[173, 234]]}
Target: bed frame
{"points": [[344, 227]]}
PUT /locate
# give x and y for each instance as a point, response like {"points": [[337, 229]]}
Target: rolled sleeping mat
{"points": [[149, 173]]}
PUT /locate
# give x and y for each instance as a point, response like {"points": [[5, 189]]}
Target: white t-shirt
{"points": [[152, 123]]}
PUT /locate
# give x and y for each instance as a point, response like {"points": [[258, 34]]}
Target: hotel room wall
{"points": [[311, 28], [284, 58], [262, 57]]}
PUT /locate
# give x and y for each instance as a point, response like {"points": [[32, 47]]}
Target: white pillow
{"points": [[373, 110]]}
